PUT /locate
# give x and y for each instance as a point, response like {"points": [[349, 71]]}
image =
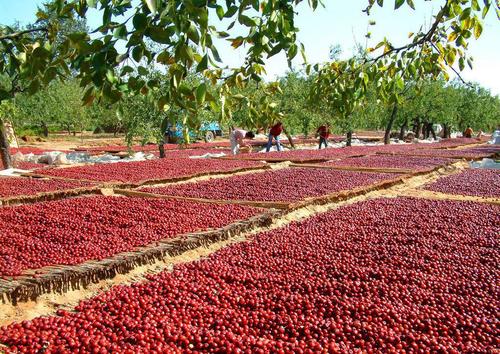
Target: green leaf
{"points": [[159, 35], [163, 57], [49, 75], [231, 11], [450, 57], [400, 84], [220, 12], [137, 53], [380, 3], [486, 8], [247, 21], [140, 21], [192, 33], [142, 71], [151, 6], [120, 32], [478, 29], [398, 4], [88, 97], [127, 70], [203, 64], [461, 63], [469, 63], [411, 4], [215, 54], [292, 51], [465, 14], [110, 75], [200, 93], [475, 5]]}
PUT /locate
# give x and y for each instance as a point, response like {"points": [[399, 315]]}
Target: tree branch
{"points": [[426, 38], [14, 35]]}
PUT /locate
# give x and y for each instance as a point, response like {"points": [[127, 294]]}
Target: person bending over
{"points": [[237, 139]]}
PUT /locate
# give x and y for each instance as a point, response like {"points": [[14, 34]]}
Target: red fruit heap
{"points": [[32, 150], [452, 143], [178, 154], [72, 231], [287, 185], [475, 182], [387, 275], [310, 155], [385, 161], [16, 186], [460, 153], [149, 170], [23, 165]]}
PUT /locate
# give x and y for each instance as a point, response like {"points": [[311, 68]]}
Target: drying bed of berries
{"points": [[387, 275], [487, 149], [305, 155], [17, 186], [284, 185], [124, 148], [150, 148], [180, 154], [453, 142], [460, 153], [474, 182], [32, 150], [416, 163], [76, 230], [135, 172], [23, 165]]}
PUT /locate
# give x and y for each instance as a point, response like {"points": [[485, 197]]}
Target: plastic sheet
{"points": [[485, 163]]}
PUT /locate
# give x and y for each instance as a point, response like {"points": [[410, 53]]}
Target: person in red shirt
{"points": [[275, 133], [323, 132]]}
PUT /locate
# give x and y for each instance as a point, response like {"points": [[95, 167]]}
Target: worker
{"points": [[323, 132], [275, 133], [468, 132], [237, 139]]}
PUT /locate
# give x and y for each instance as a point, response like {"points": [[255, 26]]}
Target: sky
{"points": [[343, 23]]}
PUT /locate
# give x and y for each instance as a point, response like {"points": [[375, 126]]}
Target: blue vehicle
{"points": [[208, 132]]}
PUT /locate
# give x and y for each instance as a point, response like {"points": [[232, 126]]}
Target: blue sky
{"points": [[341, 22]]}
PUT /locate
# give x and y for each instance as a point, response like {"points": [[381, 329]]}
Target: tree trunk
{"points": [[161, 147], [45, 130], [349, 138], [431, 131], [446, 131], [425, 130], [4, 147], [418, 129], [289, 137], [403, 130], [387, 135]]}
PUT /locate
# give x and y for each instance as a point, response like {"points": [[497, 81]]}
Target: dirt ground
{"points": [[63, 141]]}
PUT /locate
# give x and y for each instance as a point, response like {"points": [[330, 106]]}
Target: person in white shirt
{"points": [[237, 139]]}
